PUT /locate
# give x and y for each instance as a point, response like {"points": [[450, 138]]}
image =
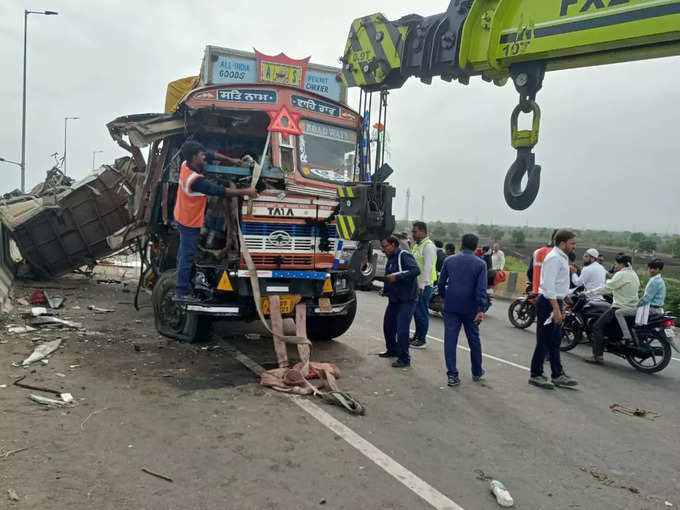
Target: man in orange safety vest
{"points": [[192, 195]]}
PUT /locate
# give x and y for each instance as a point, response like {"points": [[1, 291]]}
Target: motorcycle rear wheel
{"points": [[521, 313], [652, 347]]}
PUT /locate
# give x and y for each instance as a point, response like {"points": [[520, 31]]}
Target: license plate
{"points": [[288, 302], [325, 304], [670, 333]]}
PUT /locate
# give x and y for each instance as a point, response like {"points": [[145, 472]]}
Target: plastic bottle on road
{"points": [[503, 497]]}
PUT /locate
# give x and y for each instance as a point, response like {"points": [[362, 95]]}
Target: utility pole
{"points": [[408, 202], [422, 208], [66, 119], [23, 111]]}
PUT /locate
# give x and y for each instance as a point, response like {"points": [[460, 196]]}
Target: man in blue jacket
{"points": [[401, 287], [462, 284]]}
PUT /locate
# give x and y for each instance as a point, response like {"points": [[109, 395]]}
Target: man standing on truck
{"points": [[192, 195]]}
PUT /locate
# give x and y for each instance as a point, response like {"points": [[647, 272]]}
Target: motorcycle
{"points": [[650, 350], [436, 304], [522, 311]]}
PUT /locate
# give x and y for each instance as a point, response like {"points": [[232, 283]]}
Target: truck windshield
{"points": [[326, 152]]}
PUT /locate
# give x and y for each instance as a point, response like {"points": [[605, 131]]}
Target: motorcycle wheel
{"points": [[654, 354], [571, 333], [436, 306], [521, 313]]}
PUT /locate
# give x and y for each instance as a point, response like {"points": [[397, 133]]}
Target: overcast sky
{"points": [[609, 135]]}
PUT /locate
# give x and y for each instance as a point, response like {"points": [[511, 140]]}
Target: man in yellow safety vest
{"points": [[425, 253]]}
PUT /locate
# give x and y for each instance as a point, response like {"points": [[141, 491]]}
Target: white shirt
{"points": [[555, 275], [429, 257], [498, 260], [592, 277]]}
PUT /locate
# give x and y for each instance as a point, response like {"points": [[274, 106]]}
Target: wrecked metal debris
{"points": [[45, 321], [66, 402], [42, 351], [634, 411], [20, 329], [157, 475], [96, 309]]}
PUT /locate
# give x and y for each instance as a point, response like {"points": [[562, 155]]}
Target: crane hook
{"points": [[525, 163]]}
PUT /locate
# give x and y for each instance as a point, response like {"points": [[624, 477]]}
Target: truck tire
{"points": [[328, 328], [170, 319]]}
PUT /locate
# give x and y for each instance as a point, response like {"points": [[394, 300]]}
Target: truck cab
{"points": [[305, 139]]}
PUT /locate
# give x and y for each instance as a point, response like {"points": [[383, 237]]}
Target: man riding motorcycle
{"points": [[623, 286], [593, 275]]}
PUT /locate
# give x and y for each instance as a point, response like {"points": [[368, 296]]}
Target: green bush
{"points": [[515, 265]]}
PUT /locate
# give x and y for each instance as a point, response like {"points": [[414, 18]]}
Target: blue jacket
{"points": [[406, 286], [462, 284]]}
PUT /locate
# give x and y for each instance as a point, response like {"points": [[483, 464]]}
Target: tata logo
{"points": [[280, 211], [279, 239], [588, 5]]}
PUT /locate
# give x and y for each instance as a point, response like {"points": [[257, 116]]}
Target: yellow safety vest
{"points": [[417, 252]]}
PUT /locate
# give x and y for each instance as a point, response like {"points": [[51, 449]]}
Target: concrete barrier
{"points": [[512, 287]]}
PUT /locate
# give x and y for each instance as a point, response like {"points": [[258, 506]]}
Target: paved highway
{"points": [[429, 446]]}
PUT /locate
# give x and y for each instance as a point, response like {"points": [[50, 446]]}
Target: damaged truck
{"points": [[300, 233]]}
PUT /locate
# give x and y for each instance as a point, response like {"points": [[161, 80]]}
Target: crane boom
{"points": [[501, 39]]}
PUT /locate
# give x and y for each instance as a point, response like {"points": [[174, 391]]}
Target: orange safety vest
{"points": [[539, 257], [190, 205]]}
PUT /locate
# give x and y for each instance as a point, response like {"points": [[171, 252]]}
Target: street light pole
{"points": [[93, 155], [66, 119], [23, 111]]}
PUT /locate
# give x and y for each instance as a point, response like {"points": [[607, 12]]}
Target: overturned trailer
{"points": [[63, 228]]}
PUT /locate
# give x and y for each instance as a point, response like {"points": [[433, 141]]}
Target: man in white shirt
{"points": [[554, 287], [593, 276], [497, 258]]}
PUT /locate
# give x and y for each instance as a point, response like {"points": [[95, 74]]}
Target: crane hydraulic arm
{"points": [[517, 39]]}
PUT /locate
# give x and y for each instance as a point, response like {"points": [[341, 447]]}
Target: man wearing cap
{"points": [[192, 194], [593, 275]]}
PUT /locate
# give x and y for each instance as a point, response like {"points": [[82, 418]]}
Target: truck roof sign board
{"points": [[228, 66]]}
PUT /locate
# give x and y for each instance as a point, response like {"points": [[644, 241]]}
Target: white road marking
{"points": [[409, 479], [500, 360]]}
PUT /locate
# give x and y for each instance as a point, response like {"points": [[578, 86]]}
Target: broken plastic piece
{"points": [[49, 401], [21, 329], [38, 298]]}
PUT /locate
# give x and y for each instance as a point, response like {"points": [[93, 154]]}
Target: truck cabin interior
{"points": [[233, 133]]}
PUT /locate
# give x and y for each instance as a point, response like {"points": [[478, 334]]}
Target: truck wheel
{"points": [[328, 328], [171, 319]]}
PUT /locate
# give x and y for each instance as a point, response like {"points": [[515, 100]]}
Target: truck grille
{"points": [[266, 261]]}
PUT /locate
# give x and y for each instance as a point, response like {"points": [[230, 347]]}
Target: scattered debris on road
{"points": [[41, 352], [481, 475], [48, 321], [637, 411], [12, 495], [503, 497], [82, 424], [65, 402], [96, 309], [609, 482], [6, 454], [157, 475], [16, 330]]}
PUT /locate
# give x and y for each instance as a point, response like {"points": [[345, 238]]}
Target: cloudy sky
{"points": [[609, 135]]}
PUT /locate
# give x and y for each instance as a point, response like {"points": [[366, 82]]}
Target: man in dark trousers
{"points": [[193, 190], [401, 287], [462, 284], [553, 288]]}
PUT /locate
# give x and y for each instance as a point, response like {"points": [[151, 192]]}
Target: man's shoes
{"points": [[564, 381], [418, 344], [453, 380], [411, 340], [400, 364], [542, 382], [479, 377], [595, 360], [387, 354]]}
